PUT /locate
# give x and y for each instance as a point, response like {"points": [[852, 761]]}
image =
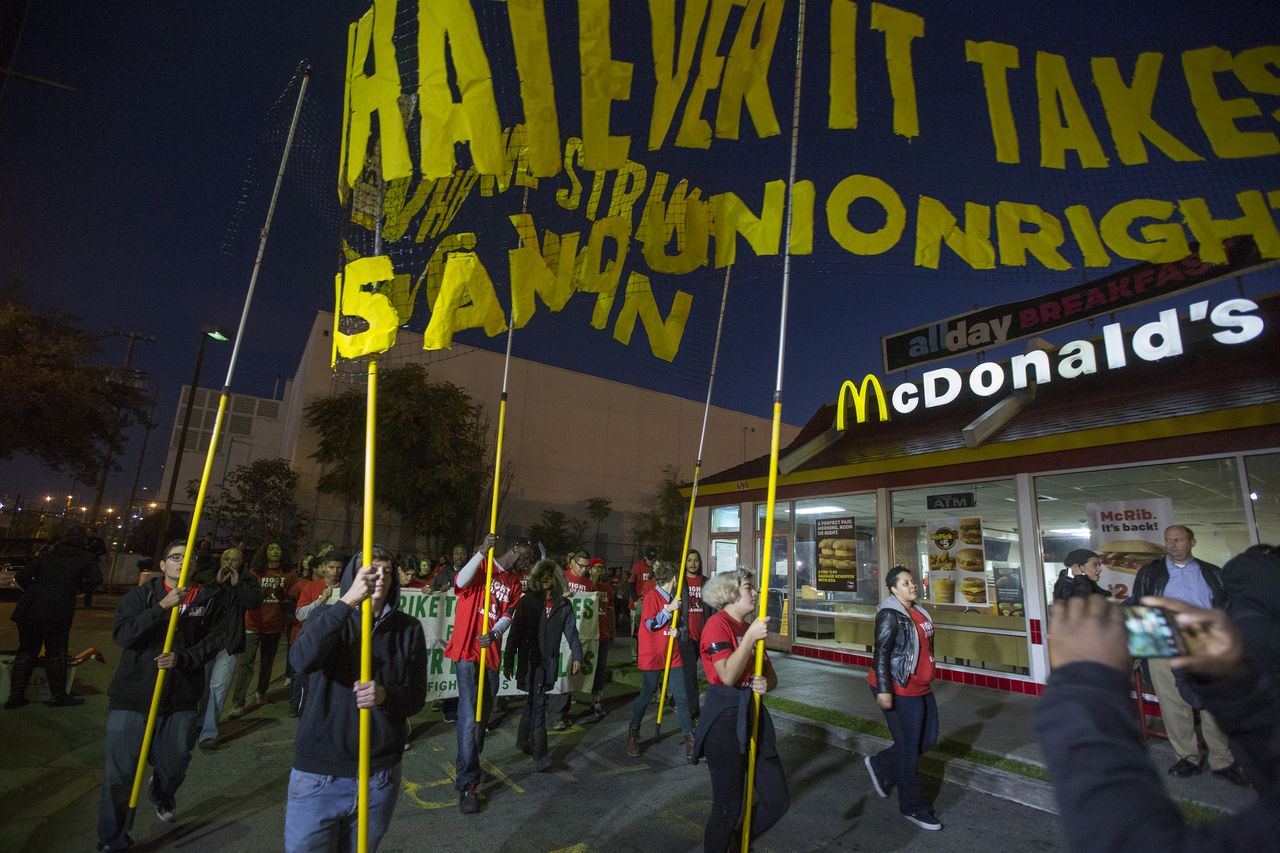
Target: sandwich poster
{"points": [[957, 561], [1127, 535], [837, 555]]}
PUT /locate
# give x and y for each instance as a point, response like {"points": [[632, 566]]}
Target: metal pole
{"points": [[766, 562], [693, 497], [156, 694]]}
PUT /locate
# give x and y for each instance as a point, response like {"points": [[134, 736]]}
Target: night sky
{"points": [[119, 201]]}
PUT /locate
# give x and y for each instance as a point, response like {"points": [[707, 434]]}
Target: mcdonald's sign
{"points": [[859, 395]]}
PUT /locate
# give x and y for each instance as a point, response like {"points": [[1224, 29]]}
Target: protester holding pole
{"points": [[728, 643], [479, 606], [141, 629], [322, 784], [656, 614]]}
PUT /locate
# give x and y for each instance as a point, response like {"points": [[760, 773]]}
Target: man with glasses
{"points": [[141, 622]]}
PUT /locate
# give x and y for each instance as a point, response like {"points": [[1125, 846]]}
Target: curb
{"points": [[1014, 787]]}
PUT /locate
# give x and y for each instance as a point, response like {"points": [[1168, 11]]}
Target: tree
{"points": [[556, 531], [432, 453], [598, 509], [661, 524], [258, 502], [58, 406]]}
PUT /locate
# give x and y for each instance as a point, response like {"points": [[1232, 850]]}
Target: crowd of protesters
{"points": [[234, 613]]}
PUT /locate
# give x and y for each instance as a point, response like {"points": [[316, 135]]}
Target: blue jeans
{"points": [[321, 815], [220, 673], [471, 733], [650, 685], [170, 755], [914, 724]]}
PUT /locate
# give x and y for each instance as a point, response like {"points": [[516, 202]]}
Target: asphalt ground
{"points": [[596, 799]]}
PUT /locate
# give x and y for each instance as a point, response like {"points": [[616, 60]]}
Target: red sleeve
{"points": [[717, 631], [310, 591]]}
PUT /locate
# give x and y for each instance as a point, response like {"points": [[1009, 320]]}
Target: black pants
{"points": [[728, 766], [34, 633], [689, 655], [268, 644]]}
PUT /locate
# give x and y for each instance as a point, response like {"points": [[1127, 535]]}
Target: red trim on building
{"points": [[1037, 638], [977, 679]]}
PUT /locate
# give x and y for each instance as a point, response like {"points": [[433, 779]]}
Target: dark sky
{"points": [[118, 202]]}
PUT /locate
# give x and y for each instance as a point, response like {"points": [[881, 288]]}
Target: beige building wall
{"points": [[569, 436]]}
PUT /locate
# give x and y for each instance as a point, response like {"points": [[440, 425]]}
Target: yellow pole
{"points": [[152, 713], [766, 563], [693, 497], [173, 612], [366, 608], [493, 523]]}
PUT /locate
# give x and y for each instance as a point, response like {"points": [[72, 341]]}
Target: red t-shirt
{"points": [[268, 617], [693, 587], [918, 683], [464, 642], [606, 612], [653, 644], [577, 583], [308, 592], [719, 630], [641, 579]]}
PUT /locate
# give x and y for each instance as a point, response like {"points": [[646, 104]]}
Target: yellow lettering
{"points": [[686, 217], [467, 301], [356, 298], [732, 217], [604, 80], [1218, 115], [528, 21], [1063, 121], [1160, 243], [546, 271], [695, 131], [900, 29], [935, 224], [1255, 221], [996, 59], [1015, 243], [474, 119], [859, 393], [669, 83], [591, 277], [842, 83], [628, 185], [746, 75], [1087, 236], [852, 239], [1128, 109], [664, 335], [364, 95], [569, 198]]}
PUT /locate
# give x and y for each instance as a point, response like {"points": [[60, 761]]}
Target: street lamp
{"points": [[207, 332]]}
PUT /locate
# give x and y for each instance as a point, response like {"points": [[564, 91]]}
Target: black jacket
{"points": [[51, 581], [1109, 794], [1253, 602], [139, 629], [533, 640], [327, 656], [897, 644], [1154, 576], [226, 614], [1080, 586]]}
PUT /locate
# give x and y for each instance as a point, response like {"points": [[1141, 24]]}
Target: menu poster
{"points": [[1127, 535], [957, 561], [837, 555]]}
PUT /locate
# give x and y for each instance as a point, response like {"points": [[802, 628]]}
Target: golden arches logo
{"points": [[859, 394]]}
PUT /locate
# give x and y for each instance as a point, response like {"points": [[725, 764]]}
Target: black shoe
{"points": [[451, 718], [924, 820], [166, 808], [1233, 774], [468, 800], [1185, 768], [66, 700], [209, 744]]}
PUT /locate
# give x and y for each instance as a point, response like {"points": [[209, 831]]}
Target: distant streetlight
{"points": [[207, 332]]}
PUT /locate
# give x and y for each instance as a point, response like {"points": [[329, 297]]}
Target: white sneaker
{"points": [[881, 791]]}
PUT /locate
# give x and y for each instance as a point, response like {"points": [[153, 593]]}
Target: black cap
{"points": [[1078, 557], [651, 553]]}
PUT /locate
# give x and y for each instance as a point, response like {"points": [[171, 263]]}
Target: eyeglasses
{"points": [[174, 557]]}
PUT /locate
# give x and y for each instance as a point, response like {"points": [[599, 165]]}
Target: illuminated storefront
{"points": [[1009, 482]]}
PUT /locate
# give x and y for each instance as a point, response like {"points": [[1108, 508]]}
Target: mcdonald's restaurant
{"points": [[981, 480]]}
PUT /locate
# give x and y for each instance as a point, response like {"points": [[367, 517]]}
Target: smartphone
{"points": [[1153, 633]]}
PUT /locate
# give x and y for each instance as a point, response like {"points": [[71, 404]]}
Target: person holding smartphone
{"points": [[901, 680]]}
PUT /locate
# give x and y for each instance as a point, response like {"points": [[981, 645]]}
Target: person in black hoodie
{"points": [[1109, 795], [1080, 577], [49, 584], [321, 814], [1253, 603], [141, 622], [541, 618], [239, 592]]}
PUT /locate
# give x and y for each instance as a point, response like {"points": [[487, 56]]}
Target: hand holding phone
{"points": [[1152, 632], [1211, 644]]}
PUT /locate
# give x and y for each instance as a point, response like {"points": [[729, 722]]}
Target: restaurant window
{"points": [[837, 571], [1264, 494], [724, 540], [780, 558], [962, 541], [1122, 512]]}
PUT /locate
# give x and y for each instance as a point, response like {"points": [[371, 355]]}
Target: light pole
{"points": [[207, 332]]}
